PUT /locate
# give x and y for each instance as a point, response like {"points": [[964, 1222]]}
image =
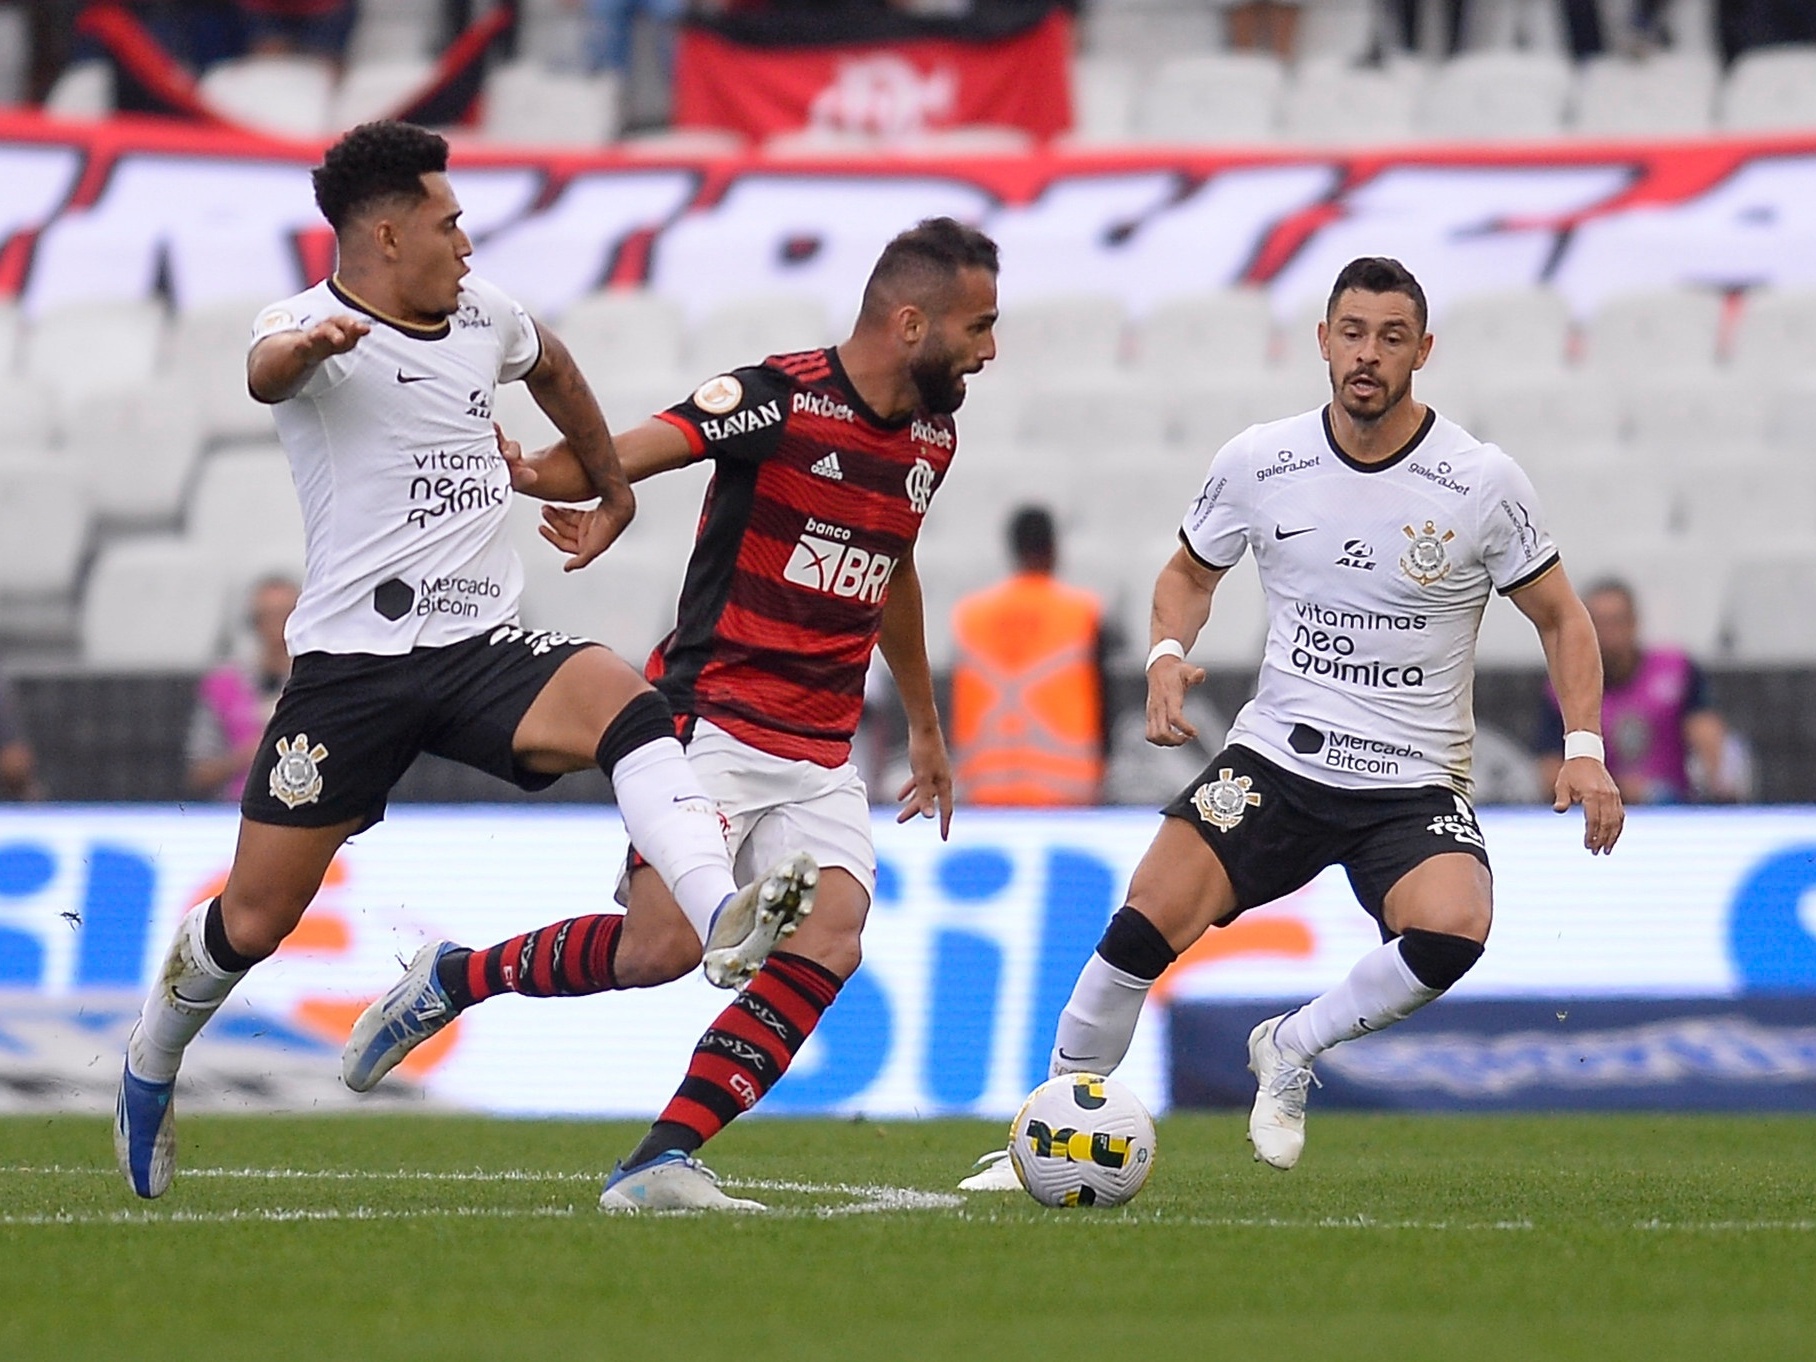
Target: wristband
{"points": [[1167, 647], [1583, 743]]}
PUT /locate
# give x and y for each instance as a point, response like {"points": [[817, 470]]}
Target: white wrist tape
{"points": [[1167, 647], [1583, 743]]}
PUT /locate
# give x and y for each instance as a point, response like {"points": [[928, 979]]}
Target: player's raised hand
{"points": [[1168, 681], [332, 336], [928, 789], [582, 534], [1585, 781]]}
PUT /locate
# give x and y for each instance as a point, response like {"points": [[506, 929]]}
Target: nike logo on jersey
{"points": [[1290, 534], [402, 377], [828, 467]]}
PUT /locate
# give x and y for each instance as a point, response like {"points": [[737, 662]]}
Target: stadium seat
{"points": [[1237, 629], [44, 518], [1776, 334], [84, 92], [152, 603], [1666, 94], [86, 348], [15, 53], [136, 448], [1141, 496], [746, 331], [1093, 422], [1335, 31], [1060, 337], [1766, 617], [1103, 100], [1680, 594], [529, 104], [287, 95], [1589, 505], [205, 355], [11, 328], [1634, 334], [624, 335], [1211, 99], [244, 512], [1203, 418], [1204, 337], [1751, 510], [625, 599], [28, 418], [1506, 637], [1147, 33], [1485, 336], [551, 34], [376, 88], [1548, 419], [394, 30], [1771, 89], [1334, 104], [1788, 427], [1496, 97], [1703, 421]]}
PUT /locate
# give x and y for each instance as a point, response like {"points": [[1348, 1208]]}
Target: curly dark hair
{"points": [[376, 161], [922, 262], [1377, 274]]}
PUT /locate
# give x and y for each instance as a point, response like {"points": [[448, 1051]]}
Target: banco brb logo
{"points": [[838, 569]]}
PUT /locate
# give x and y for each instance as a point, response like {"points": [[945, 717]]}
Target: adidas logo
{"points": [[828, 467]]}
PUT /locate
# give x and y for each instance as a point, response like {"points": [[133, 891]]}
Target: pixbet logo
{"points": [[823, 561]]}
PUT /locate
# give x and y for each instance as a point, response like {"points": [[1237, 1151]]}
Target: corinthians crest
{"points": [[1426, 560], [1223, 801], [297, 777]]}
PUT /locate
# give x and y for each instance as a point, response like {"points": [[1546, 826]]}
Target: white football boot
{"points": [[669, 1182], [995, 1172], [414, 1009], [750, 923], [1277, 1122]]}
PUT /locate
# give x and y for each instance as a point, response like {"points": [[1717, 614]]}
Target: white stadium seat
{"points": [[1206, 336], [1336, 31], [1776, 334], [86, 348], [136, 449], [1589, 505], [1204, 418], [1673, 331], [287, 95], [1334, 104], [1059, 337], [1771, 89], [84, 92], [1766, 615], [1543, 418], [28, 415], [625, 599], [1148, 33], [1703, 421], [206, 356], [1487, 336], [1788, 426], [11, 327], [1212, 99], [394, 30], [529, 104], [619, 334], [43, 524], [1093, 422], [1751, 510], [747, 331], [1103, 100], [1496, 97], [376, 89], [244, 511], [1666, 94], [152, 603]]}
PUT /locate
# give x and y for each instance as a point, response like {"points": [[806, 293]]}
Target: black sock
{"points": [[662, 1137], [219, 948], [451, 974]]}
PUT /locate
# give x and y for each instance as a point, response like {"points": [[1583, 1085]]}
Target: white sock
{"points": [[189, 988], [676, 828], [1379, 991], [1099, 1021]]}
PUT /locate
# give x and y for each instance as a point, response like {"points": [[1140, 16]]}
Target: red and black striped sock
{"points": [[564, 959], [743, 1053]]}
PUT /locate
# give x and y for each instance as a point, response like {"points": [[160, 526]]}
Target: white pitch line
{"points": [[1727, 1226], [285, 1217], [333, 1174]]}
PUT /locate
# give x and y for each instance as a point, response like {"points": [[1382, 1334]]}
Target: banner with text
{"points": [[126, 209], [970, 953]]}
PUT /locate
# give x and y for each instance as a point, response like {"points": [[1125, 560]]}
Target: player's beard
{"points": [[938, 380], [1385, 400]]}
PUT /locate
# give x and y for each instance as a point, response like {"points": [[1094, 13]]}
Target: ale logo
{"points": [[1078, 1146]]}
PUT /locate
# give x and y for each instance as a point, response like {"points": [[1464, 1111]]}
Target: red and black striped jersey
{"points": [[814, 500]]}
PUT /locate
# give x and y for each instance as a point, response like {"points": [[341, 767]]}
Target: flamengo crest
{"points": [[297, 777], [920, 486], [1223, 801]]}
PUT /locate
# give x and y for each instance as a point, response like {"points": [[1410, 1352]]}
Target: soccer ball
{"points": [[1082, 1140]]}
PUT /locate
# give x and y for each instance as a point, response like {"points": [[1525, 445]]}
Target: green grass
{"points": [[1398, 1238]]}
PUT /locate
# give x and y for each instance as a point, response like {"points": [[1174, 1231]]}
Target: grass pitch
{"points": [[1398, 1238]]}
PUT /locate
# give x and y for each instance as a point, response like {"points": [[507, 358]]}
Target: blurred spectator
{"points": [[233, 702], [1028, 692], [1262, 26], [18, 772], [1665, 744], [611, 28], [316, 28]]}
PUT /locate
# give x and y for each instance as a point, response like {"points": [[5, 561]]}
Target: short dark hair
{"points": [[381, 160], [1618, 586], [1031, 535], [1377, 274], [922, 261]]}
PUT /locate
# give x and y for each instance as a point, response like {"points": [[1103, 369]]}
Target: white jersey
{"points": [[403, 490], [1376, 576]]}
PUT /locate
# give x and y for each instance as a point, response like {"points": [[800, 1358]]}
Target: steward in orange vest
{"points": [[1027, 685]]}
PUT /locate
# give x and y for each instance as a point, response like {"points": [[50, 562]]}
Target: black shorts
{"points": [[348, 725], [1275, 831]]}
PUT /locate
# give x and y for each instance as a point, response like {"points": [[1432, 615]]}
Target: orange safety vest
{"points": [[1027, 701]]}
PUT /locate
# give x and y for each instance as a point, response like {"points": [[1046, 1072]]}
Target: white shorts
{"points": [[774, 806]]}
